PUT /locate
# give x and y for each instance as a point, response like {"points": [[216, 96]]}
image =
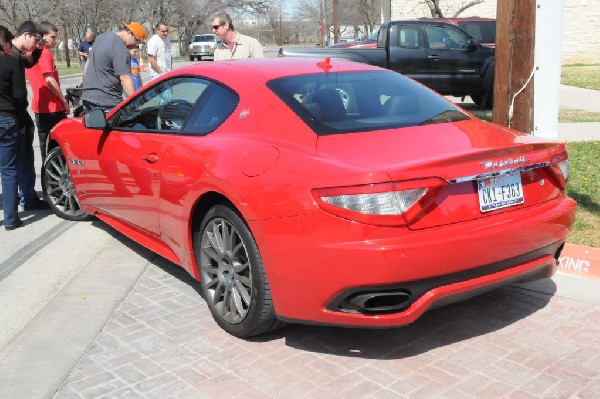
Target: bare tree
{"points": [[436, 10], [370, 14], [75, 17]]}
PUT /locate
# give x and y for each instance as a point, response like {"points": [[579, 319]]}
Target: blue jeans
{"points": [[9, 148], [89, 107], [26, 165]]}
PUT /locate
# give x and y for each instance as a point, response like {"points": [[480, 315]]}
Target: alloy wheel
{"points": [[226, 271], [59, 188]]}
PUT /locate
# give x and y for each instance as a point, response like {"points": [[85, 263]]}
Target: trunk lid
{"points": [[467, 155]]}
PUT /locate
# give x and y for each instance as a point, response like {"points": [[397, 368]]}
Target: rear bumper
{"points": [[315, 262]]}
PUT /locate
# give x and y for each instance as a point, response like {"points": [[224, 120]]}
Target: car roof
{"points": [[231, 71], [460, 19]]}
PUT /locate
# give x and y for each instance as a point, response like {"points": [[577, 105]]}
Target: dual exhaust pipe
{"points": [[377, 302]]}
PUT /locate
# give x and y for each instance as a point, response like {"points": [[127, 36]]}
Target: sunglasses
{"points": [[165, 31], [134, 36], [215, 27]]}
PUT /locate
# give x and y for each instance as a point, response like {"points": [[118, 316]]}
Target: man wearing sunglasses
{"points": [[233, 45], [159, 51], [107, 72], [26, 50]]}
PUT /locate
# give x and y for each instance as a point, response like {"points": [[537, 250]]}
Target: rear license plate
{"points": [[500, 191]]}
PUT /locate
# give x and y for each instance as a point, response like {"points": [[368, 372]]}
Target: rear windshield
{"points": [[483, 31], [204, 38], [347, 102]]}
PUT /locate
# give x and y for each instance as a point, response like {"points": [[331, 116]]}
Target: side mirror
{"points": [[95, 120], [472, 45]]}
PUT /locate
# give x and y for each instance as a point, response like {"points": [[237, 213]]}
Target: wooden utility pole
{"points": [[280, 41], [513, 81], [336, 23], [322, 28]]}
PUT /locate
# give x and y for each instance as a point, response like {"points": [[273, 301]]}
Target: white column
{"points": [[547, 60], [386, 10]]}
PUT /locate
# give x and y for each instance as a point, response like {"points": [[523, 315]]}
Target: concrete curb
{"points": [[580, 260]]}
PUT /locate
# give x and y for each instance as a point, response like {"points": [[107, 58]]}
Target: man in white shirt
{"points": [[234, 45], [159, 51]]}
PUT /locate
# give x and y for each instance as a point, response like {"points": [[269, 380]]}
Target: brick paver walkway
{"points": [[513, 343]]}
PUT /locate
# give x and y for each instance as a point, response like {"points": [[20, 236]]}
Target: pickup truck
{"points": [[441, 56]]}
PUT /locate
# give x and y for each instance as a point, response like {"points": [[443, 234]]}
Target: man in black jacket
{"points": [[12, 97], [26, 40]]}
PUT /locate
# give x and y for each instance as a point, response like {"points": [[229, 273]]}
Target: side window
{"points": [[409, 37], [381, 38], [214, 107], [446, 38], [164, 107], [404, 36]]}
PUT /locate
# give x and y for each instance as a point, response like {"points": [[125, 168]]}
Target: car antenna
{"points": [[325, 65]]}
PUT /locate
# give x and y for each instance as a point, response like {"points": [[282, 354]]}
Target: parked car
{"points": [[442, 56], [315, 191], [482, 29], [203, 46], [369, 42]]}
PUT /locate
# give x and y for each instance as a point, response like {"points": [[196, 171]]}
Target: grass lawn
{"points": [[584, 187], [585, 76], [64, 71]]}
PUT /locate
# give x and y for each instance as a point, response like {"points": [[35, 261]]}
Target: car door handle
{"points": [[150, 158], [434, 57]]}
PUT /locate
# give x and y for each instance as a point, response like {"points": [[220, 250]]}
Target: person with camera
{"points": [[48, 104], [13, 96], [25, 49]]}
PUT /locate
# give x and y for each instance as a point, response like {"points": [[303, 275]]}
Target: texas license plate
{"points": [[500, 191]]}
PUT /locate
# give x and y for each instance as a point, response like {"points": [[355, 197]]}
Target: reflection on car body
{"points": [[315, 191]]}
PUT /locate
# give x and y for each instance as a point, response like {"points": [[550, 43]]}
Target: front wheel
{"points": [[233, 280], [58, 187]]}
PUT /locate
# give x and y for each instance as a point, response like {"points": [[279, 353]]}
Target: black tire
{"points": [[58, 188], [199, 58], [233, 280], [485, 99], [191, 58], [476, 99]]}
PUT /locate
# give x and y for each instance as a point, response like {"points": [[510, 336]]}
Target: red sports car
{"points": [[316, 191]]}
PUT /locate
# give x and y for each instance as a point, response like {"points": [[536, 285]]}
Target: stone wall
{"points": [[581, 24]]}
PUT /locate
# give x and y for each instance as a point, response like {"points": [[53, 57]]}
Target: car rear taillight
{"points": [[383, 204], [560, 165]]}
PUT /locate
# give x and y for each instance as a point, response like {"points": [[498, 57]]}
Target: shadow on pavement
{"points": [[435, 329]]}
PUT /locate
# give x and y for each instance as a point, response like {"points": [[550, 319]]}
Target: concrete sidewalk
{"points": [[578, 98], [584, 131]]}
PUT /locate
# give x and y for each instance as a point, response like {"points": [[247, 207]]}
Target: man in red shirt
{"points": [[49, 103]]}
